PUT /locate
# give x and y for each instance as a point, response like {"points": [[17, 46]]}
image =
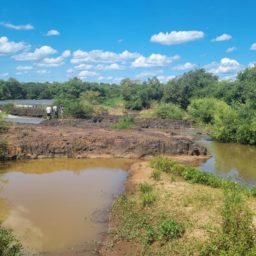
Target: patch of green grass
{"points": [[9, 246], [195, 175], [113, 102], [125, 122], [156, 175], [145, 188], [147, 194], [237, 235]]}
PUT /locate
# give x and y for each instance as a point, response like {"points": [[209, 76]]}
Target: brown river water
{"points": [[59, 205]]}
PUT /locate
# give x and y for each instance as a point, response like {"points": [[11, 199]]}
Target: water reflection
{"points": [[232, 160], [56, 204]]}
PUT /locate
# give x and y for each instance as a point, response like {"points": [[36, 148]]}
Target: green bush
{"points": [[170, 229], [9, 246], [124, 123], [169, 111], [3, 124], [156, 175], [145, 188], [7, 108], [237, 235], [162, 164], [3, 150]]}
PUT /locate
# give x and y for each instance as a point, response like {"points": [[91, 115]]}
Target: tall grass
{"points": [[125, 122]]}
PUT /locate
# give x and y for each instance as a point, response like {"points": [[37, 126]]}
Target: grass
{"points": [[195, 175], [156, 175], [190, 214], [125, 122], [9, 246]]}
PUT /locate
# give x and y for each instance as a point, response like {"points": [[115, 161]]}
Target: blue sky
{"points": [[54, 40]]}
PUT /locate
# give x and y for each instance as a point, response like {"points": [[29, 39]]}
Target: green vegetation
{"points": [[156, 175], [194, 175], [237, 235], [3, 124], [9, 246], [169, 111], [226, 108], [125, 122]]}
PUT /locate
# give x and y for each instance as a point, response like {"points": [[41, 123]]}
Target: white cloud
{"points": [[17, 27], [38, 54], [113, 66], [149, 74], [154, 60], [176, 37], [165, 79], [85, 74], [9, 47], [4, 74], [252, 64], [100, 56], [55, 62], [42, 71], [225, 66], [253, 47], [53, 32], [231, 49], [84, 66], [24, 68], [186, 66], [223, 37]]}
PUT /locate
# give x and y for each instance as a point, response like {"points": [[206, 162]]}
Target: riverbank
{"points": [[82, 140], [140, 221]]}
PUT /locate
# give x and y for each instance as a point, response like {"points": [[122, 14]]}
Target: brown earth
{"points": [[80, 141]]}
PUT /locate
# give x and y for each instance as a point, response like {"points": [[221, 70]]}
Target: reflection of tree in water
{"points": [[234, 157], [4, 208]]}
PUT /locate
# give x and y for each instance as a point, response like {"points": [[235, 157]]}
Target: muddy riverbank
{"points": [[81, 141]]}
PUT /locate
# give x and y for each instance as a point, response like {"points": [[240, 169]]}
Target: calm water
{"points": [[233, 161], [58, 204], [23, 119], [27, 102]]}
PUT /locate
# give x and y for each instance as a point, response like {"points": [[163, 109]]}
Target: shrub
{"points": [[169, 111], [7, 108], [237, 235], [124, 123], [9, 246], [162, 164], [148, 199], [3, 150], [3, 124], [170, 229], [156, 175], [145, 188]]}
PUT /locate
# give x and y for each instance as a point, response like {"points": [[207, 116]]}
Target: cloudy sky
{"points": [[108, 40]]}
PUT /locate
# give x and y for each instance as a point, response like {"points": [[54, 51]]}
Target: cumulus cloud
{"points": [[17, 27], [4, 74], [165, 79], [253, 47], [100, 56], [9, 47], [37, 54], [252, 64], [53, 32], [85, 74], [147, 74], [176, 37], [186, 66], [23, 68], [154, 60], [55, 62], [42, 71], [224, 67], [223, 37], [231, 49]]}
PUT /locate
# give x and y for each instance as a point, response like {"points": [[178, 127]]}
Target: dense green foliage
{"points": [[227, 107], [237, 235], [9, 246], [169, 111]]}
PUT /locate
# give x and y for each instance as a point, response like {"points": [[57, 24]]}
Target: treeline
{"points": [[228, 108]]}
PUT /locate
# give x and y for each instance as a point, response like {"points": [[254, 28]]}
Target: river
{"points": [[59, 205]]}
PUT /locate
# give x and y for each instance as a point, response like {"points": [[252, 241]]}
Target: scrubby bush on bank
{"points": [[237, 235], [9, 246], [125, 122], [169, 111]]}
